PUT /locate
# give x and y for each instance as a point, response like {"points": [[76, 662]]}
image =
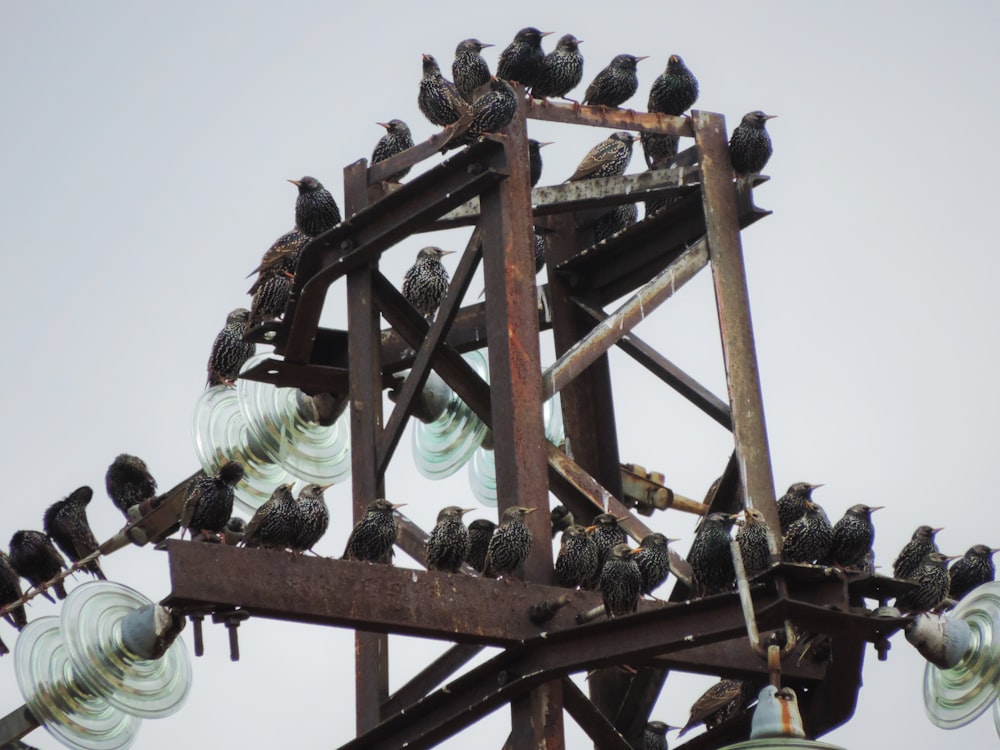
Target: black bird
{"points": [[269, 298], [675, 90], [606, 533], [974, 569], [792, 504], [609, 158], [560, 71], [282, 257], [373, 536], [10, 592], [535, 159], [654, 736], [425, 284], [620, 582], [717, 704], [491, 113], [510, 543], [469, 70], [658, 150], [616, 220], [614, 85], [35, 559], [932, 583], [540, 244], [710, 557], [129, 482], [66, 524], [653, 560], [561, 518], [808, 538], [853, 535], [915, 550], [396, 140], [438, 98], [316, 209], [312, 519], [576, 563], [448, 544], [229, 351], [273, 525], [754, 539], [522, 58], [750, 145], [480, 532], [233, 531]]}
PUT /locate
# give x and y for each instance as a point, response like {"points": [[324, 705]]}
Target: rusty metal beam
{"points": [[17, 724], [430, 677], [590, 720], [602, 117]]}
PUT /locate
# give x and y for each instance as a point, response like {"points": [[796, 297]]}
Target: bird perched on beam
{"points": [[723, 700], [792, 505], [448, 543], [535, 159], [754, 538], [932, 583], [129, 482], [853, 535], [35, 559], [616, 84], [491, 113], [654, 736], [616, 220], [522, 58], [229, 351], [10, 592], [312, 518], [653, 560], [273, 524], [809, 537], [209, 502], [576, 562], [673, 92], [560, 71], [750, 145], [609, 158], [974, 569], [469, 70], [480, 532], [374, 535], [620, 582], [65, 521], [282, 257], [909, 558], [396, 140], [316, 209], [438, 99], [710, 557], [270, 298], [425, 284], [510, 544], [606, 533]]}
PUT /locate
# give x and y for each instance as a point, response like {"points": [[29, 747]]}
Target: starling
{"points": [[316, 209], [620, 581], [721, 701], [614, 85], [653, 560], [282, 257], [853, 535], [469, 69], [66, 524], [129, 482], [438, 99], [932, 583], [654, 736], [491, 113], [10, 592], [975, 568], [560, 518], [396, 140], [269, 298], [373, 536], [273, 525], [35, 558], [229, 351], [535, 159], [522, 58], [809, 537], [675, 90], [209, 502], [658, 149], [617, 220], [792, 504], [448, 544], [480, 532], [313, 518], [576, 563], [750, 145], [510, 543], [560, 71], [426, 282], [233, 531], [754, 540], [609, 158], [540, 243], [914, 552], [710, 557], [606, 533]]}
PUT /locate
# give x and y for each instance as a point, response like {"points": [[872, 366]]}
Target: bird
{"points": [[540, 244], [233, 531], [522, 58], [282, 257], [932, 585], [792, 504], [209, 502], [510, 544], [129, 482], [560, 518], [448, 544], [560, 71], [654, 736], [914, 552], [491, 113], [616, 220], [396, 140], [653, 560], [35, 559], [614, 85], [425, 283], [469, 70], [717, 704], [809, 537], [480, 532], [675, 90], [606, 533], [535, 159], [609, 158], [438, 99], [973, 569], [65, 521], [620, 581], [373, 536], [658, 150], [750, 145], [853, 535], [10, 592], [273, 524], [754, 538], [316, 209], [269, 298], [710, 557], [229, 351], [576, 562], [312, 518]]}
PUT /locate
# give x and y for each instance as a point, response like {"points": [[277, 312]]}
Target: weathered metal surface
{"points": [[646, 492], [590, 720], [430, 677], [411, 157], [16, 725], [603, 117]]}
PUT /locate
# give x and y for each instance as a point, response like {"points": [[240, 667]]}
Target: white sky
{"points": [[144, 150]]}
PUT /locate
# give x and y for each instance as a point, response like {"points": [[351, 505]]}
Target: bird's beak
{"points": [[325, 487], [295, 182], [447, 252], [874, 508], [814, 487], [487, 45], [769, 117], [425, 57], [643, 57], [673, 58], [620, 519], [545, 33], [994, 550], [383, 124], [670, 541], [635, 551], [939, 528], [467, 510], [545, 143], [530, 510], [953, 557], [398, 505], [589, 529]]}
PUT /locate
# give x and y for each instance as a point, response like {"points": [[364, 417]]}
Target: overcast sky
{"points": [[144, 150]]}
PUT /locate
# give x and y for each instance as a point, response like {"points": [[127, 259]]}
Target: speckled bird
{"points": [[560, 518], [469, 70], [606, 533], [853, 535], [448, 543], [620, 582], [480, 532], [576, 562], [35, 559], [396, 140], [541, 242], [229, 351], [616, 84], [510, 544], [10, 592], [616, 220], [129, 482], [792, 504], [750, 145], [316, 209], [654, 736], [273, 524], [973, 569], [374, 535], [932, 584], [909, 558], [425, 284], [809, 537], [710, 557], [209, 502], [270, 298], [675, 90], [491, 113], [653, 559], [312, 518], [724, 699], [438, 99], [560, 71], [282, 257], [609, 158], [522, 58], [754, 539], [658, 150], [233, 531], [65, 521], [535, 159]]}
